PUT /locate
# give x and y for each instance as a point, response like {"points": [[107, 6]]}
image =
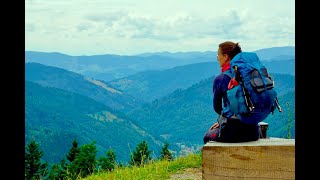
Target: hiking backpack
{"points": [[254, 98]]}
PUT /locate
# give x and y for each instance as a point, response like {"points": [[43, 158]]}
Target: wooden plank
{"points": [[272, 158]]}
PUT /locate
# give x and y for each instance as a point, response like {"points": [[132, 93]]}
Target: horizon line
{"points": [[139, 54]]}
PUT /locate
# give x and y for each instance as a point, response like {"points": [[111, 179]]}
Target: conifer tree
{"points": [[165, 153], [34, 168], [59, 171], [74, 151], [108, 162], [85, 162], [54, 172], [141, 155], [62, 173]]}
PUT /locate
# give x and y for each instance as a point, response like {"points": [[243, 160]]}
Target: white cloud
{"points": [[122, 27]]}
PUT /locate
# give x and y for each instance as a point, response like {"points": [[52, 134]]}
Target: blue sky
{"points": [[128, 27]]}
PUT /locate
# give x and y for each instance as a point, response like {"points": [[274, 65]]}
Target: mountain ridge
{"points": [[60, 78], [108, 67], [160, 52]]}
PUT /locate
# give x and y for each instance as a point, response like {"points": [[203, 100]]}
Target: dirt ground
{"points": [[190, 174]]}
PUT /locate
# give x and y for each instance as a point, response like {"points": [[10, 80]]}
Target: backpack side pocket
{"points": [[261, 82]]}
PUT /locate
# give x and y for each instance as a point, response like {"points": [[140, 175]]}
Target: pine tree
{"points": [[59, 171], [34, 169], [108, 162], [85, 162], [62, 173], [54, 172], [165, 153], [141, 155], [74, 151]]}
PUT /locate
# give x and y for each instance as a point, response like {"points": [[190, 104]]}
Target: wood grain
{"points": [[272, 158]]}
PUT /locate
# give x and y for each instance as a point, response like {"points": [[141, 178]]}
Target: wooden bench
{"points": [[270, 158]]}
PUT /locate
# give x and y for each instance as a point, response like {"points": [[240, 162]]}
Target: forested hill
{"points": [[55, 117], [156, 84], [73, 82], [185, 115]]}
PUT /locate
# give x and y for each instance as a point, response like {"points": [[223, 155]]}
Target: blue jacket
{"points": [[220, 100]]}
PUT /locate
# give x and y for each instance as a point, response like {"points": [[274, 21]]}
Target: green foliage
{"points": [[55, 118], [85, 162], [74, 151], [59, 171], [192, 160], [54, 172], [109, 162], [141, 155], [154, 170], [34, 168], [165, 153]]}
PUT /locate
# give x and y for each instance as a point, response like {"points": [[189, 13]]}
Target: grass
{"points": [[158, 169]]}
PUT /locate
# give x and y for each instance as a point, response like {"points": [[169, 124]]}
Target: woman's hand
{"points": [[215, 125]]}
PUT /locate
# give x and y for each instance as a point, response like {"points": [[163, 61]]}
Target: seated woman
{"points": [[228, 128]]}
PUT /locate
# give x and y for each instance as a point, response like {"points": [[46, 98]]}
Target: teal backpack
{"points": [[255, 97]]}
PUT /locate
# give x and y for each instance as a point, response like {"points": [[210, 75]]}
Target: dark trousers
{"points": [[233, 131]]}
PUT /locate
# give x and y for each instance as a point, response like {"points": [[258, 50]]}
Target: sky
{"points": [[130, 27]]}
